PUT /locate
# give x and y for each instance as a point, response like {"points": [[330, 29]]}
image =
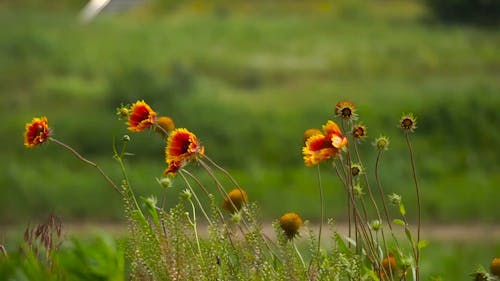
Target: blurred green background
{"points": [[248, 79]]}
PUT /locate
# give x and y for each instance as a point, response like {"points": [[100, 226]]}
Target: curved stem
{"points": [[86, 161]]}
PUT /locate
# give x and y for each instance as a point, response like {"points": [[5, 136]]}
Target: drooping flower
{"points": [[290, 223], [235, 200], [164, 125], [37, 132], [141, 117], [346, 110], [495, 267], [323, 146], [182, 147]]}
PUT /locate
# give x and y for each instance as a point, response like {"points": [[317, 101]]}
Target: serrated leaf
{"points": [[422, 244], [399, 222]]}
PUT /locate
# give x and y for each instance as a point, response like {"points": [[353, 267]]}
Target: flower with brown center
{"points": [[37, 132], [290, 223], [235, 199], [323, 146], [182, 147], [141, 117], [346, 110], [408, 122], [359, 132]]}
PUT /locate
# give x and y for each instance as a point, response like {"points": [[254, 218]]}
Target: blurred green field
{"points": [[248, 80]]}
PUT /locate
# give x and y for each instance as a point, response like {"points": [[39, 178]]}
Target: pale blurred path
{"points": [[94, 7]]}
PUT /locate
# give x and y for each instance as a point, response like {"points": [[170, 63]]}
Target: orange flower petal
{"points": [[37, 132], [141, 117]]}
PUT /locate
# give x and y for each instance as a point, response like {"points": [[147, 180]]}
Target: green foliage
{"points": [[482, 12]]}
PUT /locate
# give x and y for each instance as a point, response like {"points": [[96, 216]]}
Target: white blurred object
{"points": [[92, 9]]}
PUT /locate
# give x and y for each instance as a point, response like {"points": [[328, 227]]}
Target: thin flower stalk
{"points": [[86, 161], [417, 189], [181, 172], [322, 208]]}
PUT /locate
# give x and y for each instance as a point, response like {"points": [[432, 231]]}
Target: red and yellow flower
{"points": [[182, 147], [346, 110], [141, 117], [324, 146], [37, 132]]}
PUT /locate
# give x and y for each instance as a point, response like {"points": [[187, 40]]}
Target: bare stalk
{"points": [[86, 161], [414, 171]]}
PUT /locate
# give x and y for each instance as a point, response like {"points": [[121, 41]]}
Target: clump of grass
{"points": [[166, 243]]}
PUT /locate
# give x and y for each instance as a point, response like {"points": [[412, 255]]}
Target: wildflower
{"points": [[235, 200], [357, 169], [37, 132], [309, 133], [382, 143], [346, 110], [324, 146], [290, 223], [164, 125], [182, 147], [141, 117], [408, 122], [359, 132], [495, 267]]}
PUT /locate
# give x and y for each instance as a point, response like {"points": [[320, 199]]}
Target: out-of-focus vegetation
{"points": [[248, 79]]}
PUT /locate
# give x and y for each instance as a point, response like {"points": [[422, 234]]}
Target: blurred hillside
{"points": [[248, 79]]}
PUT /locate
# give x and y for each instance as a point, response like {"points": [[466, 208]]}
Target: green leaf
{"points": [[402, 209], [422, 244], [399, 222]]}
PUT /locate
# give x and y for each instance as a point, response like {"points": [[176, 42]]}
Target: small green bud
{"points": [[357, 190], [382, 143], [126, 138], [165, 182], [122, 111], [395, 199], [376, 224], [356, 169], [186, 194], [236, 217]]}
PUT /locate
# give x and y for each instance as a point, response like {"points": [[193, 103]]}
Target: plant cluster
{"points": [[166, 243]]}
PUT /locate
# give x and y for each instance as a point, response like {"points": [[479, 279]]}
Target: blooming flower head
{"points": [[323, 146], [182, 147], [235, 200], [37, 132], [164, 125], [346, 110], [290, 223], [141, 116], [408, 122], [309, 133]]}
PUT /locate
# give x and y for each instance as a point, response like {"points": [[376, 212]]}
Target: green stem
{"points": [[298, 254], [415, 179]]}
